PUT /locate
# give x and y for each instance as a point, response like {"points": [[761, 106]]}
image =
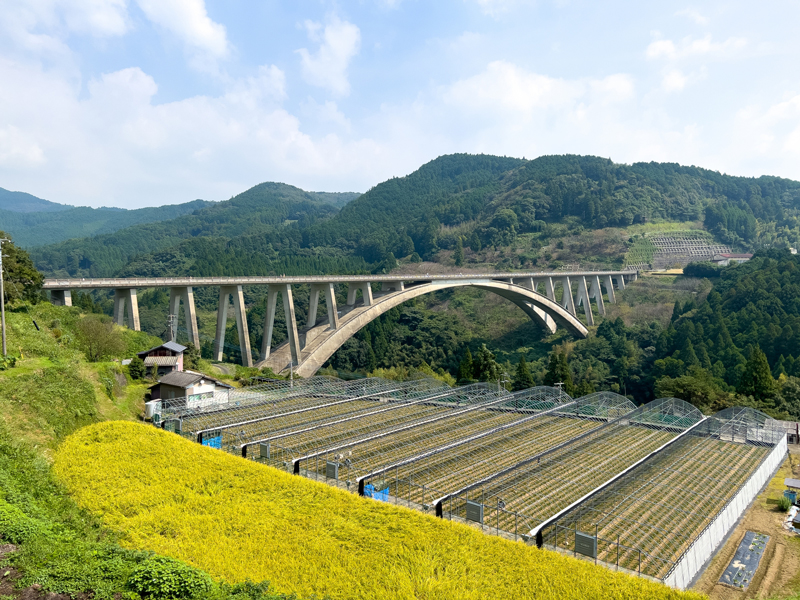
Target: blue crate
{"points": [[213, 442]]}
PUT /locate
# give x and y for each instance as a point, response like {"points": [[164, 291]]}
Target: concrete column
{"points": [[366, 292], [313, 303], [119, 307], [549, 290], [620, 282], [291, 323], [392, 286], [133, 310], [121, 298], [528, 282], [583, 298], [269, 323], [241, 323], [610, 290], [596, 292], [185, 294], [61, 297], [567, 301], [330, 304]]}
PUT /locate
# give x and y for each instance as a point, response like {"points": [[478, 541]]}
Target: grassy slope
{"points": [[239, 520]]}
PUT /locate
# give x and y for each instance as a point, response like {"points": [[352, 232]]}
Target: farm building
{"points": [[651, 490], [193, 389], [163, 359]]}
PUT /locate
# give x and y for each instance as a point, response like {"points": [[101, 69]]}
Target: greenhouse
{"points": [[647, 520], [518, 499]]}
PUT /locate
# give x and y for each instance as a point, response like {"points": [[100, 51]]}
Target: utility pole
{"points": [[173, 319], [3, 298]]}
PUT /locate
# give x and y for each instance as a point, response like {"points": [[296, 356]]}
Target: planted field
{"points": [[527, 496], [655, 512], [362, 457], [425, 480], [240, 520]]}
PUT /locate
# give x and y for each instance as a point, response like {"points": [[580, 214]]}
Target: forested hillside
{"points": [[269, 213], [33, 228]]}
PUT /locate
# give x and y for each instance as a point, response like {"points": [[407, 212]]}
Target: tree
{"points": [[474, 242], [458, 255], [522, 378], [22, 280], [191, 356], [757, 381], [466, 368], [486, 367], [558, 371], [136, 367], [98, 338]]}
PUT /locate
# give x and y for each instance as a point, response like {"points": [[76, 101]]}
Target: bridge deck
{"points": [[145, 282]]}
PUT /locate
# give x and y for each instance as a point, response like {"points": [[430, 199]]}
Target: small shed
{"points": [[163, 359], [197, 388]]}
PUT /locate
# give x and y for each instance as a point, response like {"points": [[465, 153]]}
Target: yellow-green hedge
{"points": [[239, 520]]}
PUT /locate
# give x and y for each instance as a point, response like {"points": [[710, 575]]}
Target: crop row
{"points": [[539, 491], [235, 414], [302, 443], [661, 507], [424, 480], [364, 457], [264, 427]]}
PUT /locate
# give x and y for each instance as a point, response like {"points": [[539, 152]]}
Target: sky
{"points": [[134, 103]]}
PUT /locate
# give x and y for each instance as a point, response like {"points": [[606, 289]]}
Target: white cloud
{"points": [[674, 80], [98, 17], [189, 21], [692, 14], [689, 47], [339, 42], [495, 7], [18, 150]]}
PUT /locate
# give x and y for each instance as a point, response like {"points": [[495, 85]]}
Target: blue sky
{"points": [[145, 102]]}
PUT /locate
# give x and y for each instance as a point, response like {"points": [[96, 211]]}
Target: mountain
{"points": [[20, 202], [495, 198], [482, 201], [259, 222], [30, 229]]}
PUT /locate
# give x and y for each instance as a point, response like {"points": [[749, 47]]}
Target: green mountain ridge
{"points": [[22, 202]]}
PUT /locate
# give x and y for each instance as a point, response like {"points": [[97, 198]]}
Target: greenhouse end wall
{"points": [[706, 544]]}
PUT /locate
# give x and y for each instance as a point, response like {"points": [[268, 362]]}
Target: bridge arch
{"points": [[321, 341]]}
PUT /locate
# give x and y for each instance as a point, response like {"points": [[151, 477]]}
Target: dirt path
{"points": [[778, 575]]}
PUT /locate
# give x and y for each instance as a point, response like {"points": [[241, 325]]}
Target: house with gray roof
{"points": [[197, 388], [163, 359]]}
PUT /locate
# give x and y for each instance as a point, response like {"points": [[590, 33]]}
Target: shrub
{"points": [[98, 339], [784, 504], [136, 368], [162, 578], [15, 526]]}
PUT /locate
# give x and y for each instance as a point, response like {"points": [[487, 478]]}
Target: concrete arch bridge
{"points": [[549, 299]]}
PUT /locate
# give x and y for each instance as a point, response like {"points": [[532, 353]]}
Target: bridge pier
{"points": [[620, 282], [596, 292], [241, 323], [567, 301], [185, 294], [123, 296], [610, 289], [366, 292], [61, 297], [291, 322], [330, 304], [583, 299]]}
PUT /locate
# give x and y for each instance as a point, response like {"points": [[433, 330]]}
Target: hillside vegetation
{"points": [[264, 220], [240, 520]]}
